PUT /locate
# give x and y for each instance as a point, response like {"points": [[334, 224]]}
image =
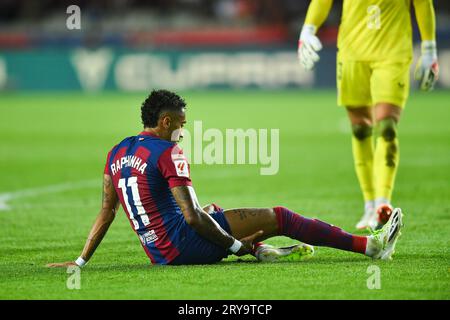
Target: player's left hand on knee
{"points": [[247, 243], [427, 68]]}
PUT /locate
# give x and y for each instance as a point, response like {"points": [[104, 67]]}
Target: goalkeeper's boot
{"points": [[298, 252], [381, 243], [369, 214]]}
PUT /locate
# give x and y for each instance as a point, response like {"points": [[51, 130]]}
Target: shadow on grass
{"points": [[227, 264]]}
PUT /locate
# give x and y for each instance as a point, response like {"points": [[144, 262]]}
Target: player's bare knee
{"points": [[266, 214], [362, 132], [387, 129], [273, 215]]}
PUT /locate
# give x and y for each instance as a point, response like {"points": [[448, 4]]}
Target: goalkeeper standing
{"points": [[373, 62]]}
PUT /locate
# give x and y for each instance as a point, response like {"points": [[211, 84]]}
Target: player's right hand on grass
{"points": [[247, 243], [308, 46], [427, 68]]}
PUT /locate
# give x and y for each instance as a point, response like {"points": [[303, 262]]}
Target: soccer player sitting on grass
{"points": [[149, 175]]}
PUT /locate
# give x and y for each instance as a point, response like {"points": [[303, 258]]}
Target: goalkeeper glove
{"points": [[308, 46], [427, 68]]}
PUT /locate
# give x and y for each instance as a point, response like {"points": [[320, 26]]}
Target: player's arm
{"points": [[206, 226], [427, 68], [110, 204], [308, 43]]}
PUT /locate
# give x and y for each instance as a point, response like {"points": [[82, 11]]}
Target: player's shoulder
{"points": [[155, 145], [124, 143], [161, 151], [121, 144], [169, 152]]}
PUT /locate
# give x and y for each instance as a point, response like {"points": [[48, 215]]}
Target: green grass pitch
{"points": [[62, 139]]}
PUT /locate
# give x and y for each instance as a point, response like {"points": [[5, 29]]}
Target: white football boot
{"points": [[381, 243], [298, 252]]}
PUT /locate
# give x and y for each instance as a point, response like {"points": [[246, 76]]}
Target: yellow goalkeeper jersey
{"points": [[374, 30]]}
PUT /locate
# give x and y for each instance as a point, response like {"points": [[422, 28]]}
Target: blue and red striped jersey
{"points": [[143, 168]]}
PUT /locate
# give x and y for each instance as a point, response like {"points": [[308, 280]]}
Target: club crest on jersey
{"points": [[128, 161]]}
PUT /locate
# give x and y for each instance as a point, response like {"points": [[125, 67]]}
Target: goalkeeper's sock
{"points": [[316, 232], [370, 205], [386, 158], [363, 153], [381, 201]]}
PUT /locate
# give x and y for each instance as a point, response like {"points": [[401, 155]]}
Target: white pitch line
{"points": [[8, 196]]}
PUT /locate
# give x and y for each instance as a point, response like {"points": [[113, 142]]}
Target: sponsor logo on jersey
{"points": [[148, 237]]}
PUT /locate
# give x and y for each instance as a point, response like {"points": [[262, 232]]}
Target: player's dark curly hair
{"points": [[158, 101]]}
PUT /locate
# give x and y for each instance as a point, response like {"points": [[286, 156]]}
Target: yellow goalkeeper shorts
{"points": [[366, 83]]}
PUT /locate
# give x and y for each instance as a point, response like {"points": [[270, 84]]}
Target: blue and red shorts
{"points": [[198, 250]]}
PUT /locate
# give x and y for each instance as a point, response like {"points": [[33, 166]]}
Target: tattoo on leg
{"points": [[242, 214]]}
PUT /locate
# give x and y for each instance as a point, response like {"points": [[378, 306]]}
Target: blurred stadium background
{"points": [[134, 45]]}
